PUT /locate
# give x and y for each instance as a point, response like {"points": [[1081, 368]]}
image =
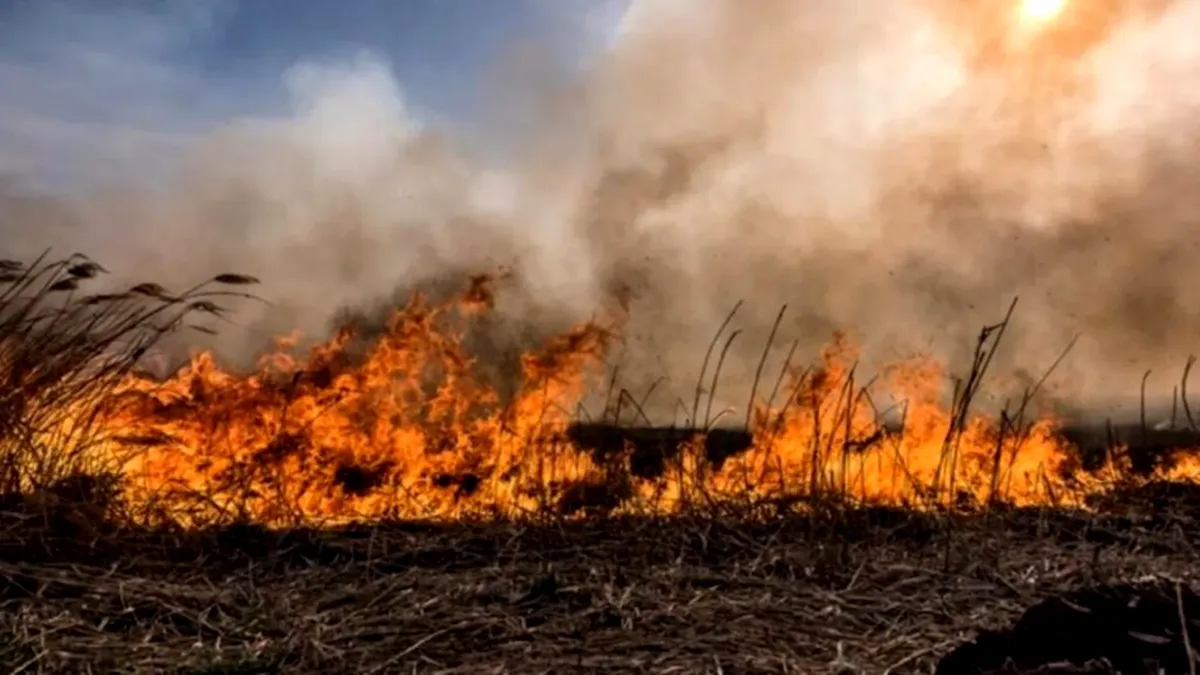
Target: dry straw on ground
{"points": [[852, 592], [826, 587]]}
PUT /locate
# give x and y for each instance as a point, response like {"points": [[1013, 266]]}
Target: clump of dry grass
{"points": [[63, 351]]}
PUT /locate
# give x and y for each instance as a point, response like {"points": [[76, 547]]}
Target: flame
{"points": [[407, 427]]}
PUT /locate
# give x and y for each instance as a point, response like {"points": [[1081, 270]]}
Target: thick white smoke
{"points": [[843, 158]]}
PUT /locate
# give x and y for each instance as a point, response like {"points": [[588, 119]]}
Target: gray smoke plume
{"points": [[848, 159]]}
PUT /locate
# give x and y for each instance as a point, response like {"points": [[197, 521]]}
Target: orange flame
{"points": [[407, 428]]}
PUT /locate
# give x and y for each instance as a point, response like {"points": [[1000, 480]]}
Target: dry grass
{"points": [[867, 591], [63, 351], [826, 587]]}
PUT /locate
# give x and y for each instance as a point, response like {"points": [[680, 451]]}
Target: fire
{"points": [[407, 427]]}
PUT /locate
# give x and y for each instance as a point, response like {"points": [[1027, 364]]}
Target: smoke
{"points": [[846, 159], [864, 168]]}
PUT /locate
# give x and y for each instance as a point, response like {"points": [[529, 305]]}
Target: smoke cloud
{"points": [[852, 160]]}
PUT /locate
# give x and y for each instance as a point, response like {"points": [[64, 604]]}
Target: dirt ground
{"points": [[868, 591]]}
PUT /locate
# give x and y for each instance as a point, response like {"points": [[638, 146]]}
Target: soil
{"points": [[1115, 628], [828, 591]]}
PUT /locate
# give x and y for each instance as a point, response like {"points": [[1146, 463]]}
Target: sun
{"points": [[1041, 10]]}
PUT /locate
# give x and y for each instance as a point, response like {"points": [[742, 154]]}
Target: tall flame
{"points": [[407, 427]]}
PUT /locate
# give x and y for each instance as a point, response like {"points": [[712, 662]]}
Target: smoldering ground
{"points": [[840, 158]]}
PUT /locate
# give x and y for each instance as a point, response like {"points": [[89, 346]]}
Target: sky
{"points": [[104, 91], [840, 158]]}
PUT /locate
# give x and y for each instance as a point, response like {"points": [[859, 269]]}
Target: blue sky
{"points": [[93, 89]]}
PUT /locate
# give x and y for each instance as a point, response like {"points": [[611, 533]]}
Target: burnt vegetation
{"points": [[811, 581]]}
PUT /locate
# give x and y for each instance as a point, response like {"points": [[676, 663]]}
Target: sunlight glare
{"points": [[1041, 10]]}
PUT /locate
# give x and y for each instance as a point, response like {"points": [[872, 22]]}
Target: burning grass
{"points": [[64, 355], [405, 426], [202, 521]]}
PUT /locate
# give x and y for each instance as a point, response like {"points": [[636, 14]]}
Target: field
{"points": [[378, 508], [863, 591]]}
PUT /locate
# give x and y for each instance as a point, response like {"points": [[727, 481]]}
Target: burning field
{"points": [[411, 425], [730, 367], [384, 504]]}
